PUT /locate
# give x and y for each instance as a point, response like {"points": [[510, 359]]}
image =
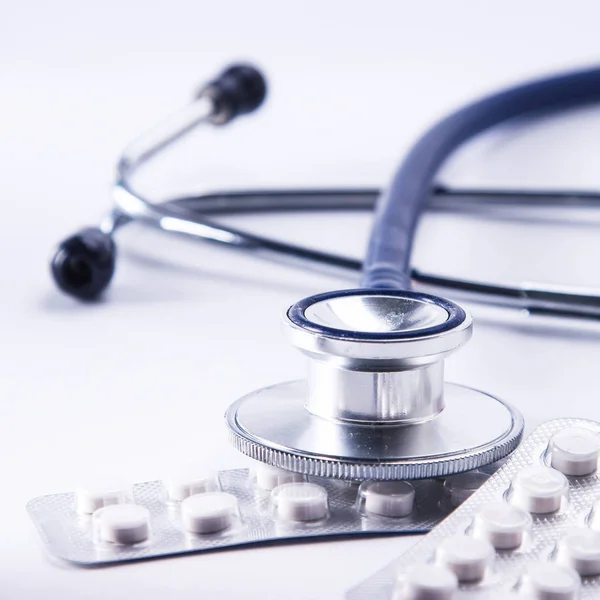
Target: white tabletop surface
{"points": [[138, 383]]}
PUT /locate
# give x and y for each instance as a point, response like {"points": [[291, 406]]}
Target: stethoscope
{"points": [[375, 404]]}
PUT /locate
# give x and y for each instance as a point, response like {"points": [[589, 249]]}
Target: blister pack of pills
{"points": [[199, 511], [531, 532]]}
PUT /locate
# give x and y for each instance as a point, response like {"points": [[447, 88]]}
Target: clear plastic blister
{"points": [[531, 532], [200, 510]]}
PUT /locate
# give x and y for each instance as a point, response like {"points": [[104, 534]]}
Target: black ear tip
{"points": [[251, 82], [84, 263], [238, 90]]}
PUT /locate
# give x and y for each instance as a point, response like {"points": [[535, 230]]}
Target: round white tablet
{"points": [[268, 477], [300, 501], [593, 519], [122, 524], [462, 486], [90, 498], [502, 525], [574, 451], [467, 557], [428, 582], [580, 550], [209, 513], [549, 581], [538, 489], [182, 485], [387, 498]]}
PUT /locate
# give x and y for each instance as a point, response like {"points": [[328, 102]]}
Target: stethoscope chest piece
{"points": [[375, 404]]}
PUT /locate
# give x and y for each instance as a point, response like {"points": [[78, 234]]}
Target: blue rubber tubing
{"points": [[387, 264]]}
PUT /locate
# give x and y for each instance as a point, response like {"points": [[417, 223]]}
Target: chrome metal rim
{"points": [[273, 426]]}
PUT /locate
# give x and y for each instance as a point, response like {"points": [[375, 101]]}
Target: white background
{"points": [[138, 383]]}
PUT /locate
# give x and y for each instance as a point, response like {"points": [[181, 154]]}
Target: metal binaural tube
{"points": [[238, 90], [407, 396], [164, 135]]}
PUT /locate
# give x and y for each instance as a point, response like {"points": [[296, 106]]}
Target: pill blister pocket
{"points": [[233, 508], [532, 531]]}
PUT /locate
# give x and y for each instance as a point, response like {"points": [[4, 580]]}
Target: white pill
{"points": [[468, 558], [300, 501], [388, 498], [122, 524], [502, 525], [538, 489], [580, 550], [268, 477], [428, 582], [593, 519], [574, 451], [90, 498], [548, 581], [182, 485], [462, 486], [209, 513]]}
